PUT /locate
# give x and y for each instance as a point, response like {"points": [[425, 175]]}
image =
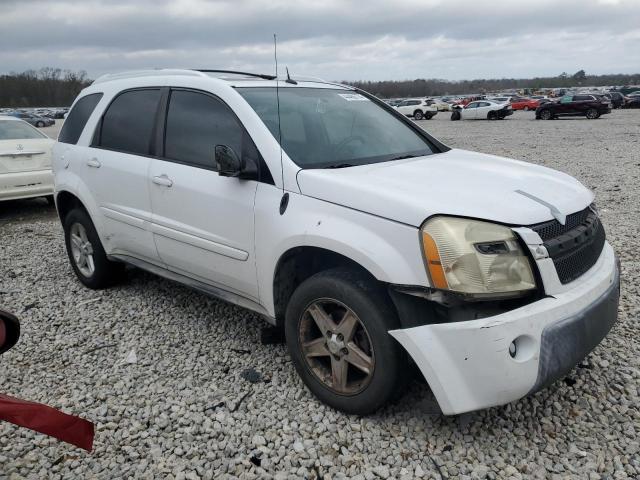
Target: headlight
{"points": [[474, 257]]}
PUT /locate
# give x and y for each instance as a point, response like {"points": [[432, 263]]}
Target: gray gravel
{"points": [[182, 405]]}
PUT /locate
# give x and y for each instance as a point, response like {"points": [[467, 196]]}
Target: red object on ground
{"points": [[44, 419]]}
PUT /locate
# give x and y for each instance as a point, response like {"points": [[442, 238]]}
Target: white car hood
{"points": [[457, 182]]}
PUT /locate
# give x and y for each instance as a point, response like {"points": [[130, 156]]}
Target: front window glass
{"points": [[323, 127], [15, 130]]}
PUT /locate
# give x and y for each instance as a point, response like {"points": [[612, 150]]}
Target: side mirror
{"points": [[9, 331], [228, 162]]}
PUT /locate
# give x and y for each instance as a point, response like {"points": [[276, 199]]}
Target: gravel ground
{"points": [[190, 407]]}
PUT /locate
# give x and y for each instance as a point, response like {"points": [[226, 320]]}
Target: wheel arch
{"points": [[301, 262], [67, 201]]}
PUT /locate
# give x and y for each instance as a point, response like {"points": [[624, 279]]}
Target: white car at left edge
{"points": [[25, 161]]}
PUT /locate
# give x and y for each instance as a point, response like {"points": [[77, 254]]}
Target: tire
{"points": [[417, 115], [104, 272], [455, 115], [428, 116], [546, 115], [332, 293], [39, 124], [592, 114], [492, 116]]}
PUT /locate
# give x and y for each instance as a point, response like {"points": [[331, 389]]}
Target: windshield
{"points": [[14, 130], [325, 128]]}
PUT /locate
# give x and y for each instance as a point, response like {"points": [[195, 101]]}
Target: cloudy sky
{"points": [[333, 39]]}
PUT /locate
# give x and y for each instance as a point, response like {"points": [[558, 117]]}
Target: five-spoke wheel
{"points": [[337, 329]]}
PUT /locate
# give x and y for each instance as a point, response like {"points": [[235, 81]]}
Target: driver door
{"points": [[203, 223], [469, 112]]}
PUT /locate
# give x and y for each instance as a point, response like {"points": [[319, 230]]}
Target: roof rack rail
{"points": [[145, 73], [234, 72]]}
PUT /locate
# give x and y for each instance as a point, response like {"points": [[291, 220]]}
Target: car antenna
{"points": [[289, 80], [285, 196]]}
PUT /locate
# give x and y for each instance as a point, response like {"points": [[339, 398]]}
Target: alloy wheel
{"points": [[82, 250], [336, 346]]}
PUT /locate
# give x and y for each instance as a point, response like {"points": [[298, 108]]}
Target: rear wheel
{"points": [[86, 254], [592, 114], [39, 124], [546, 115], [418, 115], [492, 116], [337, 325]]}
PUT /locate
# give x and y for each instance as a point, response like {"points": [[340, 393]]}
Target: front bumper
{"points": [[468, 365], [17, 185]]}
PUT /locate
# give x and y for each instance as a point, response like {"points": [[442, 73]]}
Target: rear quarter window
{"points": [[77, 118]]}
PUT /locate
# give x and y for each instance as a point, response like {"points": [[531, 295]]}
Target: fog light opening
{"points": [[522, 348]]}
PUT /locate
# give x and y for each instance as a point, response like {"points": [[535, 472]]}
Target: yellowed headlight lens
{"points": [[474, 257]]}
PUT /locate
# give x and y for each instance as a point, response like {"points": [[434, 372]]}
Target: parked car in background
{"points": [[521, 103], [25, 161], [442, 105], [365, 239], [499, 99], [590, 106], [482, 110], [34, 120], [632, 102], [418, 108], [616, 98]]}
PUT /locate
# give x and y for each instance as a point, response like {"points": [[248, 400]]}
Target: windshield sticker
{"points": [[353, 97]]}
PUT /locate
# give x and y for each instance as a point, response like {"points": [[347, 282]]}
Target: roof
{"points": [[233, 78]]}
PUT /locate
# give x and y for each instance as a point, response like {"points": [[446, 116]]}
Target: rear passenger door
{"points": [[116, 170], [483, 110], [203, 223]]}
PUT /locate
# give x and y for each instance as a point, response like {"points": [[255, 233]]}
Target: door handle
{"points": [[163, 180], [94, 162]]}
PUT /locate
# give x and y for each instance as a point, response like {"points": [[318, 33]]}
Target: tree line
{"points": [[54, 87], [47, 87], [436, 87]]}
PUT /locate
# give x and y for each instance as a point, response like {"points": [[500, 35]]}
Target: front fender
{"points": [[390, 251]]}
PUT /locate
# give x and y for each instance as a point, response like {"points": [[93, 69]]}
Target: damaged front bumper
{"points": [[476, 364]]}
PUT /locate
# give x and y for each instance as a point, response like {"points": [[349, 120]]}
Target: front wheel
{"points": [[337, 325], [592, 114], [455, 115], [39, 124], [546, 115], [86, 254]]}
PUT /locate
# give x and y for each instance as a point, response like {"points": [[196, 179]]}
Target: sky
{"points": [[331, 39]]}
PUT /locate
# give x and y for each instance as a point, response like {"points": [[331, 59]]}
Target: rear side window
{"points": [[128, 123], [196, 123], [77, 118]]}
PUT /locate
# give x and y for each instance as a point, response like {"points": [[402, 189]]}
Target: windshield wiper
{"points": [[340, 165]]}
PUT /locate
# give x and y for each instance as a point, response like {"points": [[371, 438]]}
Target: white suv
{"points": [[418, 108], [370, 243]]}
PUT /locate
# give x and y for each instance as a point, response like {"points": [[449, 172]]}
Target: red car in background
{"points": [[521, 103]]}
